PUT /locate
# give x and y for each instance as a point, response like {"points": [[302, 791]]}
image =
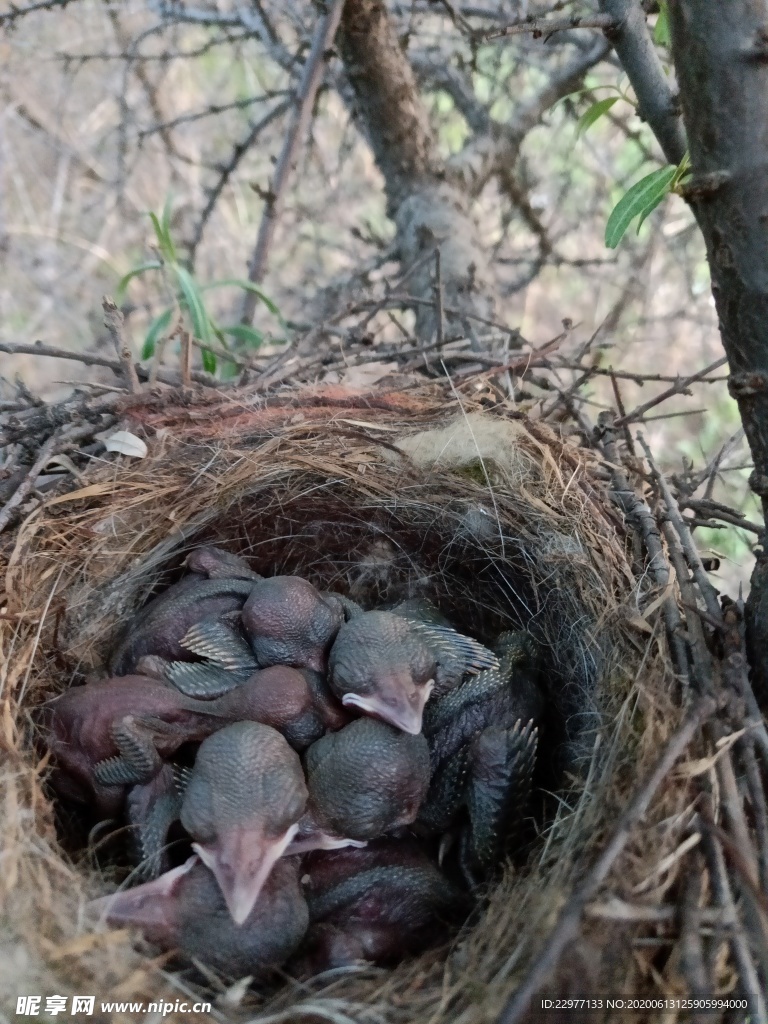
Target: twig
{"points": [[697, 645], [19, 12], [637, 378], [213, 109], [39, 349], [736, 675], [228, 168], [691, 948], [734, 809], [714, 510], [91, 359], [439, 314], [114, 321], [310, 82], [567, 925], [186, 359], [641, 517], [622, 412], [756, 792], [230, 357], [692, 556], [546, 26], [678, 388], [28, 483], [740, 944]]}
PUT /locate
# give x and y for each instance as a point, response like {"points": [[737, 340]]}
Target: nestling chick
{"points": [[112, 733], [483, 738], [216, 563], [379, 665], [364, 780], [160, 626], [376, 904], [386, 666], [289, 622], [184, 910], [242, 805], [116, 732]]}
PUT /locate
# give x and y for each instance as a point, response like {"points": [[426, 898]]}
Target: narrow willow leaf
{"points": [[594, 113], [163, 234], [157, 329], [248, 336], [126, 279], [194, 303], [248, 286], [209, 361], [661, 31], [644, 196], [227, 371]]}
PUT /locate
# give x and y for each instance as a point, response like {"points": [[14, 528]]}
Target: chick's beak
{"points": [[241, 860], [404, 710]]}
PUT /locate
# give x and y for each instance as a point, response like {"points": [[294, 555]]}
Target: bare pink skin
{"points": [[374, 904], [78, 731], [77, 726]]}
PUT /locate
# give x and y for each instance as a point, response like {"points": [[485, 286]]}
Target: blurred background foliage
{"points": [[108, 110]]}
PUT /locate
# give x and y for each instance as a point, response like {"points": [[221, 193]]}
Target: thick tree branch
{"points": [[658, 106], [388, 100], [721, 58], [430, 212]]}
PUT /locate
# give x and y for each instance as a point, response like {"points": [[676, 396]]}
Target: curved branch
{"points": [[658, 106]]}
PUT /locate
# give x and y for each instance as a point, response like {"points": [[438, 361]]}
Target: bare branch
{"points": [[26, 485], [546, 26], [634, 48], [19, 12], [226, 171], [310, 82], [91, 359], [114, 321], [678, 388]]}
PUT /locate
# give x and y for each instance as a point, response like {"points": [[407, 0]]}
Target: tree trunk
{"points": [[430, 212], [721, 57]]}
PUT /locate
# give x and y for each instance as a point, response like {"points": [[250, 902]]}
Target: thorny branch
{"points": [[310, 83]]}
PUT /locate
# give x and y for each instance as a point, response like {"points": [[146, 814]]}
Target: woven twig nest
{"points": [[412, 491]]}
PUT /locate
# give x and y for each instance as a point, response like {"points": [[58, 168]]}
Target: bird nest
{"points": [[409, 491]]}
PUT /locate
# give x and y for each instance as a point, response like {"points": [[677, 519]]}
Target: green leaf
{"points": [[681, 171], [209, 361], [594, 113], [157, 329], [246, 335], [228, 370], [163, 235], [194, 303], [125, 280], [248, 286], [644, 196], [587, 89], [661, 31]]}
